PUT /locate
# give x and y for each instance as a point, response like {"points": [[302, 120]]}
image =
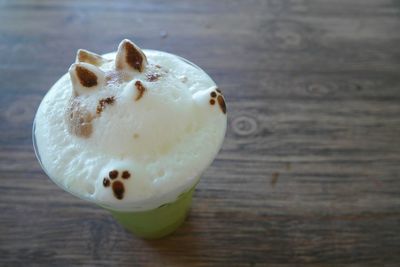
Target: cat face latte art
{"points": [[130, 130]]}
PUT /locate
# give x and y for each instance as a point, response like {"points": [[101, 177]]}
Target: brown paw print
{"points": [[216, 96], [116, 185]]}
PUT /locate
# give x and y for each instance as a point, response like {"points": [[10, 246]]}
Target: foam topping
{"points": [[130, 130]]}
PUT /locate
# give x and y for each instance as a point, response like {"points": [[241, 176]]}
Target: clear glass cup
{"points": [[149, 224]]}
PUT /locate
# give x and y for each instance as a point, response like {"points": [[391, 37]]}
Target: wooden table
{"points": [[309, 171]]}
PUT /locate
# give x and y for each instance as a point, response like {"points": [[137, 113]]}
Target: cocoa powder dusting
{"points": [[86, 77], [221, 103], [106, 182], [92, 58], [118, 189], [139, 86], [125, 175], [103, 102], [113, 174], [78, 119], [133, 57], [152, 77]]}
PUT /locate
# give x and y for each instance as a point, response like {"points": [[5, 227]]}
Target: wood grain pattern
{"points": [[309, 171]]}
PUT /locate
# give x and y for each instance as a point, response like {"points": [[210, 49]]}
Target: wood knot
{"points": [[244, 125], [21, 110], [285, 35], [318, 89], [288, 39]]}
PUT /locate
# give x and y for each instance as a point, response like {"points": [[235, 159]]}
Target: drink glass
{"points": [[149, 224]]}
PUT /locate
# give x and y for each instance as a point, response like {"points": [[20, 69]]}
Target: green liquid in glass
{"points": [[159, 222]]}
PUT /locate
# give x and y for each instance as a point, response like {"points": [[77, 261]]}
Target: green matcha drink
{"points": [[131, 131]]}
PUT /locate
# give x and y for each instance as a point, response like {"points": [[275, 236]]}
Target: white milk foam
{"points": [[165, 140]]}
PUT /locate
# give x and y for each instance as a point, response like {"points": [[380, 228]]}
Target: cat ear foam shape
{"points": [[89, 57], [86, 78], [130, 57]]}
